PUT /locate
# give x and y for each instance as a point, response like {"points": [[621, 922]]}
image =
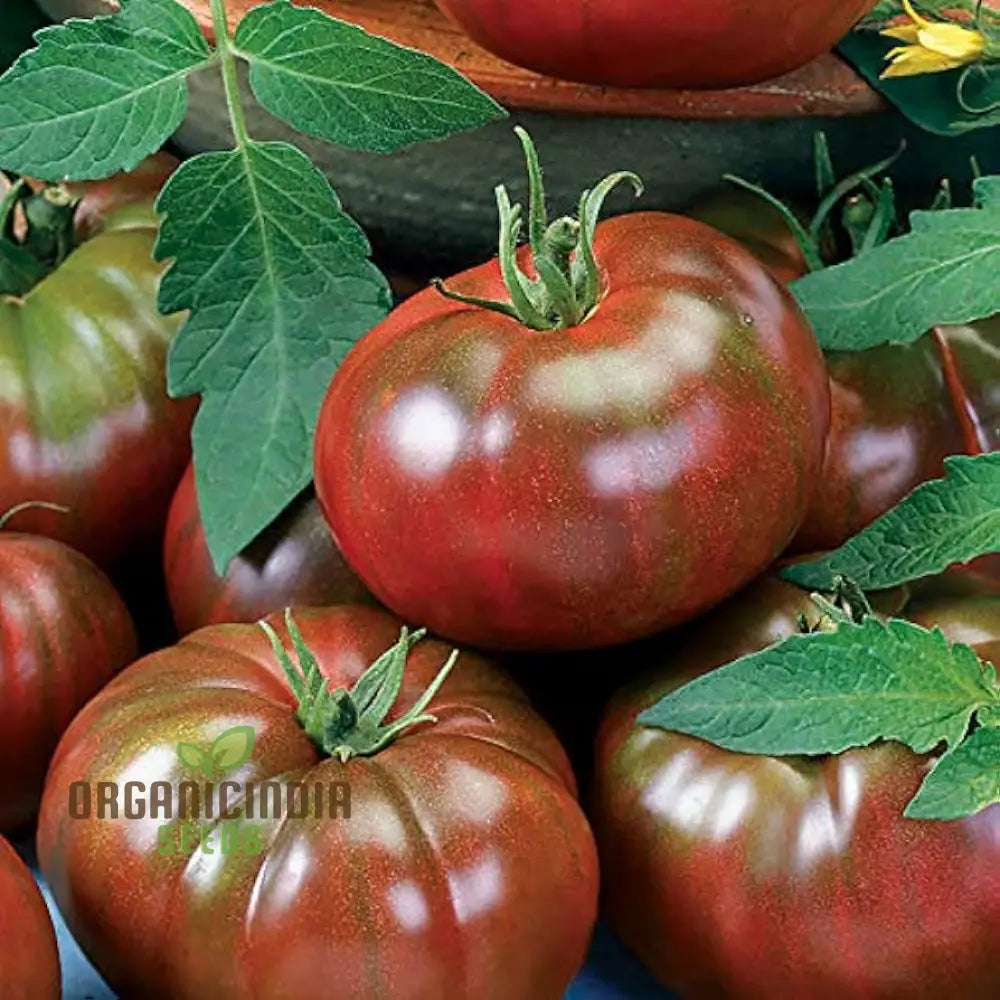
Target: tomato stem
{"points": [[346, 724], [568, 284], [230, 80]]}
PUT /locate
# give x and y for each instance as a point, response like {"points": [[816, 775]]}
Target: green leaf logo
{"points": [[232, 748], [192, 755]]}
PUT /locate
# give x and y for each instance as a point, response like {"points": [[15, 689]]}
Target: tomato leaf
{"points": [[279, 284], [826, 692], [932, 100], [191, 755], [97, 96], [333, 80], [21, 18], [942, 522], [943, 272], [963, 781], [233, 748]]}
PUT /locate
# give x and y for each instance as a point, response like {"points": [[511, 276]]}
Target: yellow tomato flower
{"points": [[931, 46]]}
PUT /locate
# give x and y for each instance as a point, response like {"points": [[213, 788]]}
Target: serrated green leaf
{"points": [[931, 100], [21, 18], [943, 272], [191, 755], [97, 96], [964, 781], [826, 692], [232, 748], [942, 522], [334, 80], [279, 287]]}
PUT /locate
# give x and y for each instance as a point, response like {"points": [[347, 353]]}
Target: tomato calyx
{"points": [[868, 213], [847, 604], [36, 233], [568, 284], [352, 723]]}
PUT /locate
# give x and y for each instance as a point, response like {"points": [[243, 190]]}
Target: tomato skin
{"points": [[577, 488], [29, 960], [466, 870], [64, 633], [84, 411], [700, 44], [754, 877], [294, 562]]}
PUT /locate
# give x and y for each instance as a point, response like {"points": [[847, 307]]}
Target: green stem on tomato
{"points": [[230, 79], [352, 723], [568, 284]]}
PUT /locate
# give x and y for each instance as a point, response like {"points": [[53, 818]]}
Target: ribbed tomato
{"points": [[84, 415], [644, 43], [464, 870], [29, 961], [583, 473], [64, 633], [754, 878], [294, 562]]}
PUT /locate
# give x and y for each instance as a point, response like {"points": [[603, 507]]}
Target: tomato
{"points": [[84, 414], [294, 562], [29, 961], [754, 877], [465, 868], [64, 632], [577, 487], [897, 411], [650, 43]]}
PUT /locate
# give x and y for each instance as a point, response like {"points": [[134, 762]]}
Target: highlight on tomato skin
{"points": [[295, 562], [29, 958], [683, 44], [767, 877]]}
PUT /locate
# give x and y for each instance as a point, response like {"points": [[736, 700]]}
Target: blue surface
{"points": [[610, 973]]}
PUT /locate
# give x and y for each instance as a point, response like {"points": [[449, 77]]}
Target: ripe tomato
{"points": [[294, 562], [29, 961], [760, 877], [84, 414], [578, 487], [699, 44], [896, 411], [465, 869], [64, 632]]}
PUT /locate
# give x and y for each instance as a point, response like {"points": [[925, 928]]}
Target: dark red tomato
{"points": [[29, 960], [466, 869], [64, 633], [699, 44], [752, 878], [586, 486], [896, 412], [84, 414], [294, 562]]}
